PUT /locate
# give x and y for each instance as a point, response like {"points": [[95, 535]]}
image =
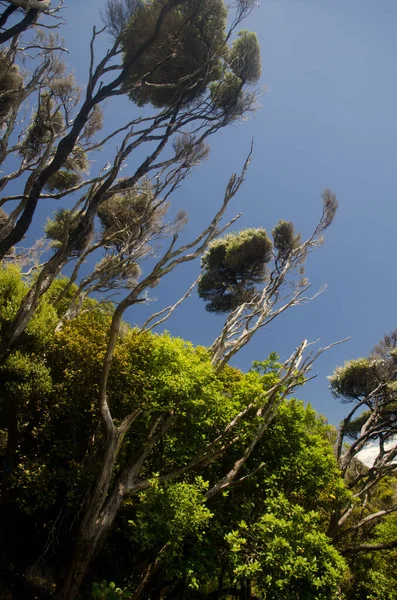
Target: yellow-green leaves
{"points": [[245, 58], [233, 265], [357, 377], [285, 554]]}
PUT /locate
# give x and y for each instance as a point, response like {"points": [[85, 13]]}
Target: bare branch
{"points": [[169, 311]]}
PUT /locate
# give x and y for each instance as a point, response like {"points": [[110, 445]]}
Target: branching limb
{"points": [[166, 313]]}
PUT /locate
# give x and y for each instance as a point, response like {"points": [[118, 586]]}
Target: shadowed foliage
{"points": [[185, 57], [10, 83], [232, 266], [59, 228]]}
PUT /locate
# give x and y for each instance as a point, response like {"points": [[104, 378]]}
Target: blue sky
{"points": [[328, 119]]}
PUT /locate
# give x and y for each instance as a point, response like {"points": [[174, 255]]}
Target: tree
{"points": [[375, 575], [283, 284], [186, 66], [232, 266], [285, 554], [32, 10], [294, 465], [183, 493], [369, 383]]}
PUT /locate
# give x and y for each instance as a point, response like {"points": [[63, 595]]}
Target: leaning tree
{"points": [[194, 73], [369, 385]]}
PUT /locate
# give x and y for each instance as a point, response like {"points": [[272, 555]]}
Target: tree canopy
{"points": [[173, 513], [135, 464]]}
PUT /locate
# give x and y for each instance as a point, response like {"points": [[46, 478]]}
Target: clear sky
{"points": [[328, 119]]}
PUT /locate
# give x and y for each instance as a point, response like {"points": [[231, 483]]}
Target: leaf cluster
{"points": [[285, 554], [232, 266], [11, 81], [185, 56]]}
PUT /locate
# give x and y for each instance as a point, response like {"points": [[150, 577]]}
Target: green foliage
{"points": [[291, 481], [170, 513], [127, 216], [62, 226], [285, 554], [188, 55], [45, 127], [184, 57], [375, 574], [24, 378], [62, 180], [77, 160], [10, 86], [353, 428], [372, 379], [233, 266], [357, 378], [244, 57], [295, 462], [12, 290], [108, 591], [60, 298], [227, 93], [41, 326], [285, 238], [47, 123], [300, 461], [72, 172]]}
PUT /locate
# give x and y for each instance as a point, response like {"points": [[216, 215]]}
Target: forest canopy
{"points": [[171, 510], [134, 463]]}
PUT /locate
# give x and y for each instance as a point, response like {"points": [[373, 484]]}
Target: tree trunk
{"points": [[148, 575], [332, 530], [9, 465], [103, 506], [91, 537], [99, 515]]}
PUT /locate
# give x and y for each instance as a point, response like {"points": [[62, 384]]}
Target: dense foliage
{"points": [[267, 534], [290, 483], [136, 465]]}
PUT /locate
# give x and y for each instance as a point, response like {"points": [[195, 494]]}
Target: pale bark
{"points": [[376, 429], [275, 297]]}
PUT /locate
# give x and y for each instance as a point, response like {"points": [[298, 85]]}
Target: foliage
{"points": [[232, 266], [171, 514], [108, 591], [58, 229], [370, 385], [285, 238], [300, 460], [374, 573], [358, 377], [46, 124], [170, 519], [286, 555], [163, 74], [41, 326], [63, 180], [10, 83], [138, 450], [294, 463], [244, 57], [237, 265], [123, 216]]}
